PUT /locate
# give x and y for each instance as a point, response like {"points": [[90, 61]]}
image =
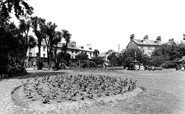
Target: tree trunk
{"points": [[39, 58], [56, 59], [48, 58]]}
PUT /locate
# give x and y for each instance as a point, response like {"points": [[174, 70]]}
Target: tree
{"points": [[167, 53], [130, 55], [97, 60], [63, 58], [11, 40], [38, 25], [50, 40], [20, 7], [56, 40], [67, 36], [114, 59], [96, 52], [81, 56], [29, 41]]}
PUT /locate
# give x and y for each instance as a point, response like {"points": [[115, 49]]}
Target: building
{"points": [[72, 49], [148, 46]]}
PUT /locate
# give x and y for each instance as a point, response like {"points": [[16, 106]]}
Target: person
{"points": [[34, 64]]}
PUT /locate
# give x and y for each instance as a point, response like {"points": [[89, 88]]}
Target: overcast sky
{"points": [[107, 23]]}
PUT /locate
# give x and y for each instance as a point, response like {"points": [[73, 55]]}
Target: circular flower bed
{"points": [[77, 90], [75, 87]]}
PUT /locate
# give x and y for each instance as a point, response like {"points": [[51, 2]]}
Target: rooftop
{"points": [[147, 42]]}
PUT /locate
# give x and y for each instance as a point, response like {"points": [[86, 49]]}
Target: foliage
{"points": [[63, 58], [67, 36], [168, 64], [63, 55], [11, 41], [73, 65], [52, 38], [24, 29], [96, 52], [75, 87], [130, 55], [19, 7], [97, 60], [167, 52], [81, 56], [38, 25], [114, 59]]}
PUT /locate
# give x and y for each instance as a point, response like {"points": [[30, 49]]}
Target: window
{"points": [[44, 55], [44, 48]]}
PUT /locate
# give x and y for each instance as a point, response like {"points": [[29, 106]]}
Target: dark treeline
{"points": [[16, 41]]}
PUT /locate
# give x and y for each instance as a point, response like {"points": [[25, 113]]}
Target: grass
{"points": [[164, 93]]}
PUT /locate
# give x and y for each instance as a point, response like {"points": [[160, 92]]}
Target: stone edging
{"points": [[19, 100]]}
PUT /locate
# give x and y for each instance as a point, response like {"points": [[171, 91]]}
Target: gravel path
{"points": [[6, 104]]}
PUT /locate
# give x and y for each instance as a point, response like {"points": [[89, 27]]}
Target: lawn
{"points": [[165, 93]]}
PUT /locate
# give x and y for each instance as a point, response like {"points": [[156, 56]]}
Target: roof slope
{"points": [[147, 42]]}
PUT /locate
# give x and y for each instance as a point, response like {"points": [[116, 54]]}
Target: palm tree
{"points": [[38, 29], [28, 41], [51, 40], [56, 40], [67, 36]]}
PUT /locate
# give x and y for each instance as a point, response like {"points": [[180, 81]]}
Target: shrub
{"points": [[168, 64]]}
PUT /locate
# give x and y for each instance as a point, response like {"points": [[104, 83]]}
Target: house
{"points": [[72, 49], [148, 46]]}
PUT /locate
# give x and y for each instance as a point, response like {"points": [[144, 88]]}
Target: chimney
{"points": [[145, 37], [158, 39], [132, 37]]}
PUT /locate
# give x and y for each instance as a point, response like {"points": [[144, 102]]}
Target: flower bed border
{"points": [[21, 101]]}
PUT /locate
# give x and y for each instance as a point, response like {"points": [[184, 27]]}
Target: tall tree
{"points": [[57, 39], [29, 41], [50, 31], [38, 25], [67, 36], [20, 8], [10, 39]]}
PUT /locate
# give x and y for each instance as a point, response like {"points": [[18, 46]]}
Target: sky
{"points": [[105, 24]]}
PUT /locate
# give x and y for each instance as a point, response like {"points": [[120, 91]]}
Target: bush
{"points": [[168, 64], [73, 65]]}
